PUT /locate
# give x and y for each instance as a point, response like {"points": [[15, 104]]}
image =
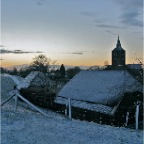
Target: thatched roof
{"points": [[99, 87], [34, 78], [104, 87]]}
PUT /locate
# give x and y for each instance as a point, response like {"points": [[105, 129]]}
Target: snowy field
{"points": [[26, 126]]}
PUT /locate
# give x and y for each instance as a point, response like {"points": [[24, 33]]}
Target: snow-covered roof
{"points": [[17, 80], [86, 105], [100, 87], [7, 85], [134, 66], [27, 81]]}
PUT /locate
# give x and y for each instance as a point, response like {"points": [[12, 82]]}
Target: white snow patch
{"points": [[16, 79], [26, 81], [86, 105], [103, 87], [26, 126]]}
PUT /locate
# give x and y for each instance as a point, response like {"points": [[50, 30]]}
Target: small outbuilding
{"points": [[36, 87], [98, 91]]}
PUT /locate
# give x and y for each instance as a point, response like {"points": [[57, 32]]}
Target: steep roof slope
{"points": [[26, 82], [31, 78], [101, 87], [7, 84]]}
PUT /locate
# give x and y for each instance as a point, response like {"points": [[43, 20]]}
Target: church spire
{"points": [[118, 38], [118, 43], [118, 55]]}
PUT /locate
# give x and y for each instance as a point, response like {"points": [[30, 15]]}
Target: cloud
{"points": [[39, 2], [131, 15], [109, 26], [21, 52], [5, 51], [2, 46], [132, 12], [88, 14], [77, 53], [110, 32], [130, 3], [130, 18]]}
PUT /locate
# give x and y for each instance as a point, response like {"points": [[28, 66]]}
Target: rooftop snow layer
{"points": [[101, 87], [27, 81], [86, 105], [17, 79], [7, 84]]}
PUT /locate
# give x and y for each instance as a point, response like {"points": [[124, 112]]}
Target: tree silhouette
{"points": [[14, 71], [42, 63], [62, 70], [71, 72]]}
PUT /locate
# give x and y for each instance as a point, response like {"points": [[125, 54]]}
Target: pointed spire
{"points": [[118, 43]]}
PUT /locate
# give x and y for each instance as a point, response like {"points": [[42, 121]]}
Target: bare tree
{"points": [[106, 64], [42, 63], [95, 67], [71, 72]]}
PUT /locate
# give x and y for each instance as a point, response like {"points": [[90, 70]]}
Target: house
{"points": [[99, 91], [35, 79], [134, 66], [36, 87]]}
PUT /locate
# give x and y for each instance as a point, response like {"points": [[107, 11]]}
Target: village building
{"points": [[98, 91], [101, 91], [35, 79], [38, 89], [118, 55]]}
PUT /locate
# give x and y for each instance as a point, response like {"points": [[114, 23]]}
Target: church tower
{"points": [[118, 55]]}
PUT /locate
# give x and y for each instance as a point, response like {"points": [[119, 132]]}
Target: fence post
{"points": [[70, 116], [66, 110], [127, 116], [16, 102], [16, 98], [137, 115]]}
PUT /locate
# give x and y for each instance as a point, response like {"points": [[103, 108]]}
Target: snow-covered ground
{"points": [[26, 126]]}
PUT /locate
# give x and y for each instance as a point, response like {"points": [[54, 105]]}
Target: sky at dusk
{"points": [[73, 32]]}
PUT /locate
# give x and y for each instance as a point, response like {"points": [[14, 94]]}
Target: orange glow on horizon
{"points": [[16, 60], [65, 62], [59, 62]]}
